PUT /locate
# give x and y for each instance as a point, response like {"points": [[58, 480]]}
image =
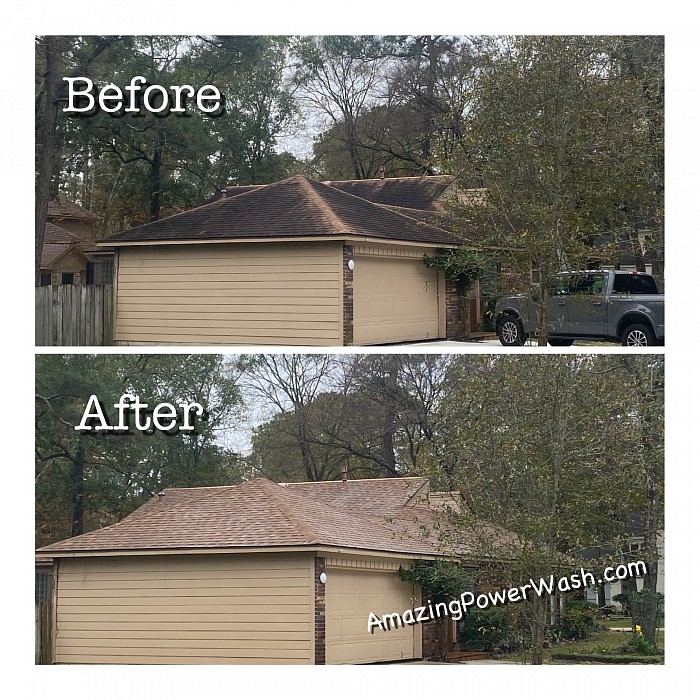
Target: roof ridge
{"points": [[332, 218], [270, 489], [399, 177]]}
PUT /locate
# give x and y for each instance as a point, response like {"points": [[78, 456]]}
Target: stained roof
{"points": [[295, 207], [364, 514], [63, 208], [58, 241], [407, 192]]}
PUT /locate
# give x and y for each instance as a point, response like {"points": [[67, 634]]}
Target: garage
{"points": [[255, 573], [396, 299], [351, 595], [291, 263]]}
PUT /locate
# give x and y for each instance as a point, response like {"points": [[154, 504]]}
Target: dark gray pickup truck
{"points": [[610, 305]]}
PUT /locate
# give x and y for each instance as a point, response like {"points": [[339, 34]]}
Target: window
{"points": [[90, 273], [589, 284], [67, 277], [634, 284], [45, 280], [107, 272], [42, 585]]}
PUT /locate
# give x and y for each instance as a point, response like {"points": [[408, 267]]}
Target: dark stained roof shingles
{"points": [[295, 207]]}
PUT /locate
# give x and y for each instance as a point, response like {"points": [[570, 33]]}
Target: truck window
{"points": [[634, 284], [589, 284]]}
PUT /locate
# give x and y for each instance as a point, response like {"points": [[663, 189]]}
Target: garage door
{"points": [[395, 299], [350, 596]]}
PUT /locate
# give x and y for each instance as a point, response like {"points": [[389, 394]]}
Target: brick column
{"points": [[347, 296], [319, 612], [457, 314]]}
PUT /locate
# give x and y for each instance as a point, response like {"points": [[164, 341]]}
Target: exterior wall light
{"points": [[351, 264], [323, 578]]}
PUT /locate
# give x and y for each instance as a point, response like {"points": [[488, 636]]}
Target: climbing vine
{"points": [[460, 265]]}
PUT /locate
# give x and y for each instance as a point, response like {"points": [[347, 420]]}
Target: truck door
{"points": [[559, 305], [586, 307]]}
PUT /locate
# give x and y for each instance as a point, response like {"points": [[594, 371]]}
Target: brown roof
{"points": [[63, 208], [406, 192], [58, 241], [369, 515], [295, 207]]}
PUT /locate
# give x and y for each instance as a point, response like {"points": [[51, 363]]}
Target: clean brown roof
{"points": [[295, 207], [63, 208], [406, 192], [260, 514]]}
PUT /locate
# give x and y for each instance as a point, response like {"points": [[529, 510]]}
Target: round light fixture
{"points": [[323, 578], [351, 264]]}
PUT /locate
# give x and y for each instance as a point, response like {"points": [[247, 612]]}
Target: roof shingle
{"points": [[295, 207], [372, 516]]}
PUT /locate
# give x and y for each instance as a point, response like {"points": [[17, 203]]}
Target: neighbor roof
{"points": [[63, 208], [295, 207], [58, 241], [260, 514], [407, 192]]}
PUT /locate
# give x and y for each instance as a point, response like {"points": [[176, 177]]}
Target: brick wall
{"points": [[457, 313], [347, 296], [319, 612]]}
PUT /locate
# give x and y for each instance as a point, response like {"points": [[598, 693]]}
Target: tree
{"points": [[88, 480], [558, 137], [536, 446]]}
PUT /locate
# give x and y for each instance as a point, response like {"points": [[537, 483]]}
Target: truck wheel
{"points": [[560, 342], [510, 331], [638, 335]]}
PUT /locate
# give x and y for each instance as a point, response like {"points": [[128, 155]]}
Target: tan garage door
{"points": [[395, 299], [350, 596]]}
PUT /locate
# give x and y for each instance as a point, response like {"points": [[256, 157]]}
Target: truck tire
{"points": [[560, 342], [510, 331], [638, 335]]}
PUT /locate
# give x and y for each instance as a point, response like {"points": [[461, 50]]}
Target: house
{"points": [[295, 262], [70, 254], [253, 573]]}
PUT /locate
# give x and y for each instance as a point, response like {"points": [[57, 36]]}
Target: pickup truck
{"points": [[612, 305]]}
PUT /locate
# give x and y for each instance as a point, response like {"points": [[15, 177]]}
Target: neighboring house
{"points": [[296, 262], [70, 254], [630, 552], [233, 574]]}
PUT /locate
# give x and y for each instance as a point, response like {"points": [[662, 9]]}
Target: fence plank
{"points": [[73, 315]]}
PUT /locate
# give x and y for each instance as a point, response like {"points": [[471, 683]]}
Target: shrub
{"points": [[578, 619], [639, 645], [486, 630]]}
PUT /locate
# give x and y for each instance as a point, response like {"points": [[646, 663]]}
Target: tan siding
{"points": [[184, 609], [280, 294]]}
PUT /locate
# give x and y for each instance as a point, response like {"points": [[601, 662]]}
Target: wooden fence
{"points": [[43, 625], [73, 315]]}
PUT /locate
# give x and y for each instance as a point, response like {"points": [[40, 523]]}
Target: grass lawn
{"points": [[600, 642]]}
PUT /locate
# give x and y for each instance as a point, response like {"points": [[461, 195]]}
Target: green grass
{"points": [[603, 639]]}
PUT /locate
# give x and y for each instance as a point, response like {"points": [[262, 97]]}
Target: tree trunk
{"points": [[49, 143], [78, 501], [537, 627], [543, 315], [428, 102], [156, 184]]}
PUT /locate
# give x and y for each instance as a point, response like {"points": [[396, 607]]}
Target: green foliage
{"points": [[461, 265], [88, 480], [487, 630], [639, 645], [578, 619], [441, 581]]}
